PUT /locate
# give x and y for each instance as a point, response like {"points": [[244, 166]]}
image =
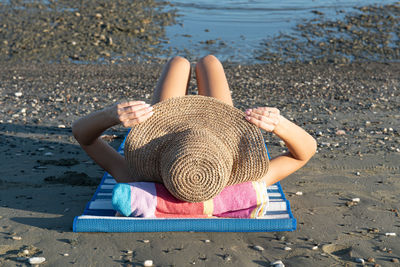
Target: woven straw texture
{"points": [[196, 145]]}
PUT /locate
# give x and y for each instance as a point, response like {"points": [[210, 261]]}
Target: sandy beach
{"points": [[352, 110]]}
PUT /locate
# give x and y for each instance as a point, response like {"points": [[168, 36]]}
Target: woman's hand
{"points": [[132, 112], [266, 118], [300, 144]]}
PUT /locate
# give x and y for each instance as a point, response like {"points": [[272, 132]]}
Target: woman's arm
{"points": [[301, 145], [88, 129]]}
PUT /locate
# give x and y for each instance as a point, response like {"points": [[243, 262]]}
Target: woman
{"points": [[174, 82]]}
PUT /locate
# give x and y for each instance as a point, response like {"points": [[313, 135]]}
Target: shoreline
{"points": [[65, 31], [350, 109]]}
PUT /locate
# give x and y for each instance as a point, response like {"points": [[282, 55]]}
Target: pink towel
{"points": [[153, 200]]}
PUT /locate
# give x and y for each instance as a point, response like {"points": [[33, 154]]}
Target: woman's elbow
{"points": [[315, 144], [313, 148], [75, 130], [309, 150]]}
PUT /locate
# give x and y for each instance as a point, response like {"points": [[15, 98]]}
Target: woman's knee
{"points": [[179, 62], [209, 60]]}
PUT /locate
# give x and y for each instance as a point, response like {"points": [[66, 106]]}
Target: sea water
{"points": [[233, 29]]}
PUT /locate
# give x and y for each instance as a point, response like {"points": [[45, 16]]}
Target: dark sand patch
{"points": [[73, 178]]}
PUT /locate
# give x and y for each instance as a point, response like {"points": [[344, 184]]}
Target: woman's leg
{"points": [[211, 79], [174, 80]]}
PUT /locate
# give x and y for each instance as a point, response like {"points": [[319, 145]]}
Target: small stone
{"points": [[128, 259], [358, 173], [277, 263], [18, 94], [395, 260], [299, 193], [129, 252], [360, 260], [351, 203], [65, 254], [314, 248], [206, 241], [98, 16], [373, 230], [281, 238], [367, 123], [287, 248], [61, 126], [370, 259], [356, 199], [16, 238], [26, 252], [340, 132], [48, 154], [36, 260], [327, 144], [258, 248], [146, 241], [319, 133], [390, 234], [148, 263]]}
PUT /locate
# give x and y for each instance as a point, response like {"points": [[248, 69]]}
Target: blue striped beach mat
{"points": [[99, 216]]}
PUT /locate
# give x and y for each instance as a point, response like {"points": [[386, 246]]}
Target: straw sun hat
{"points": [[196, 145]]}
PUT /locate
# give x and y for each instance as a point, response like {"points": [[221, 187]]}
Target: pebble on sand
{"points": [[18, 94], [148, 263], [16, 238], [356, 199], [36, 260], [299, 193], [390, 234], [287, 248], [277, 263], [314, 248], [259, 248], [340, 132], [360, 260]]}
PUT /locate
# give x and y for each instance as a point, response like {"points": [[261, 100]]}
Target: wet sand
{"points": [[352, 110]]}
